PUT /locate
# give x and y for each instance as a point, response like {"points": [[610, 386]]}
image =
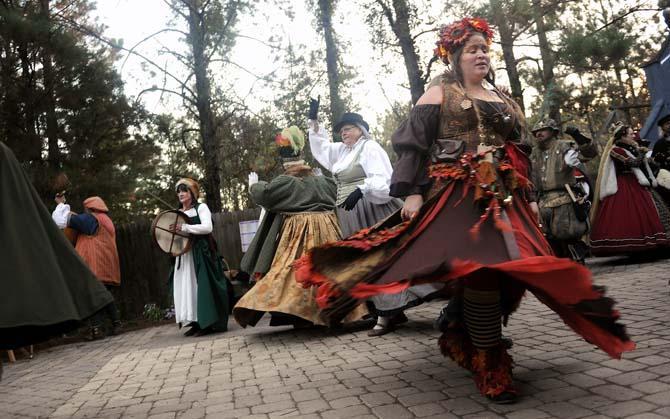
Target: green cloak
{"points": [[284, 194], [45, 288]]}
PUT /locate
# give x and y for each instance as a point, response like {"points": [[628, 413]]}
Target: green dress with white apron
{"points": [[211, 290]]}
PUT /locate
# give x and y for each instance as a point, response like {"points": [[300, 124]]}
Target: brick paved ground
{"points": [[276, 372]]}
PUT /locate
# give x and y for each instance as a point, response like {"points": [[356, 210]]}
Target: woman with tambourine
{"points": [[200, 291]]}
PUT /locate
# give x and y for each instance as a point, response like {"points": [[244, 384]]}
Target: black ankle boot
{"points": [[507, 343], [450, 313], [193, 330], [116, 328]]}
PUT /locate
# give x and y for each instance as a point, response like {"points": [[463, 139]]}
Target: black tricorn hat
{"points": [[351, 118], [664, 119]]}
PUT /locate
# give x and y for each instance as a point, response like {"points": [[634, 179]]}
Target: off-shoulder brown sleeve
{"points": [[412, 142]]}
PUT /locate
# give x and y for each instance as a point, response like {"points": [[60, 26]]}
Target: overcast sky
{"points": [[133, 20]]}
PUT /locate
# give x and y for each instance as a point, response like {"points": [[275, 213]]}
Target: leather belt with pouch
{"points": [[446, 150]]}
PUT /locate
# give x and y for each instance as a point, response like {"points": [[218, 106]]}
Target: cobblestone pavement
{"points": [[276, 372]]}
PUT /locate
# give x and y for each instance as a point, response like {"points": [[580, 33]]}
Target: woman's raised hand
{"points": [[313, 108], [411, 207], [253, 179]]}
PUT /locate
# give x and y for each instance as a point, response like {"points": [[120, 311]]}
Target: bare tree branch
{"points": [[180, 57], [223, 32], [63, 9], [182, 135], [260, 41], [424, 32], [531, 22], [426, 76], [523, 29], [175, 9], [388, 13], [161, 89], [87, 31], [527, 58], [227, 61], [630, 11], [132, 49], [393, 108]]}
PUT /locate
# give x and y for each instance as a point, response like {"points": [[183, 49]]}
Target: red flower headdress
{"points": [[282, 141], [456, 34]]}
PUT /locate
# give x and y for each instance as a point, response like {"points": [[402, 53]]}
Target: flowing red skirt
{"points": [[440, 244], [627, 221]]}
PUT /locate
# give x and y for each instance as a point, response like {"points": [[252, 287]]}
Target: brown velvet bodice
{"points": [[414, 138], [460, 120]]}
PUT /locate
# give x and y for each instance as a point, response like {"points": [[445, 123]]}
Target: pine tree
{"points": [[71, 123]]}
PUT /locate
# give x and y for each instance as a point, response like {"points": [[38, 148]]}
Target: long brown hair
{"points": [[454, 76]]}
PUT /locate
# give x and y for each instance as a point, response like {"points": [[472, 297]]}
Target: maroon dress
{"points": [[475, 227], [628, 221]]}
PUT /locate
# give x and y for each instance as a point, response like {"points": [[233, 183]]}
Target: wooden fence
{"points": [[145, 268], [227, 233]]}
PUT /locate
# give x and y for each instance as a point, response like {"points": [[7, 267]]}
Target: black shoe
{"points": [[505, 397], [451, 313], [116, 328], [193, 330], [440, 324], [507, 343], [204, 332]]}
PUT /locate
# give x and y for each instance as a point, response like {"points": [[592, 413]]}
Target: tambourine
{"points": [[174, 243]]}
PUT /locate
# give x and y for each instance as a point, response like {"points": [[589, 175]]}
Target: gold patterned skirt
{"points": [[278, 292]]}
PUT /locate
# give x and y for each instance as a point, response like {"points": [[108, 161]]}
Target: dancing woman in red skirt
{"points": [[468, 221], [628, 215]]}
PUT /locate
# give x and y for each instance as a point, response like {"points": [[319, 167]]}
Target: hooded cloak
{"points": [[45, 288]]}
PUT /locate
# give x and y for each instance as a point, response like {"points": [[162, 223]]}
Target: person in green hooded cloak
{"points": [[45, 288]]}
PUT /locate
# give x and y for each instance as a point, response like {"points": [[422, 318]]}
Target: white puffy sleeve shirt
{"points": [[205, 226], [373, 158], [61, 215]]}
